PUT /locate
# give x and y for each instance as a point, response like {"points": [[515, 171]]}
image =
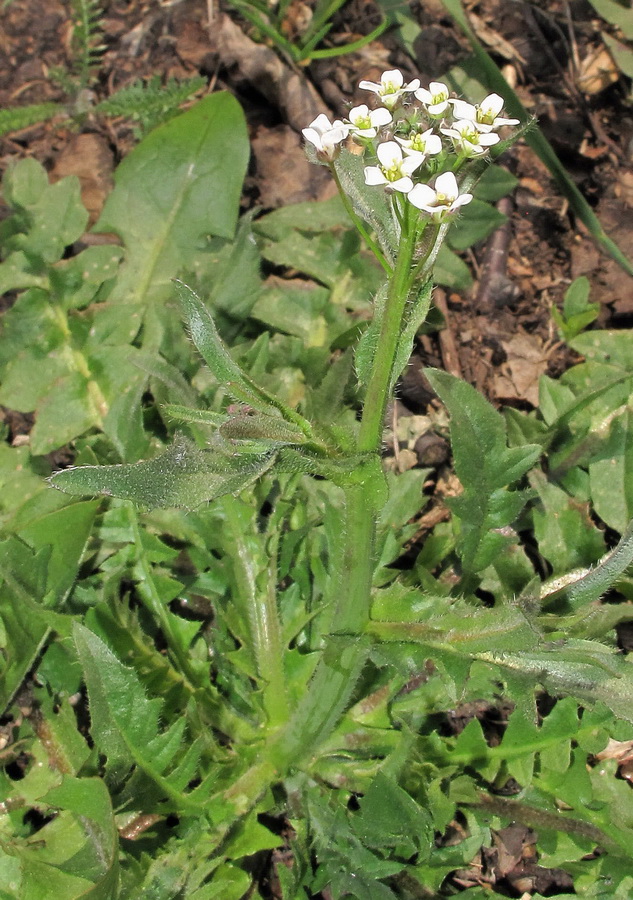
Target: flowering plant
{"points": [[309, 696]]}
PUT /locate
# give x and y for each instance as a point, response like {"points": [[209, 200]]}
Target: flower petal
{"points": [[321, 123], [423, 95], [312, 136], [491, 106], [446, 184], [392, 77], [412, 161], [359, 112], [389, 154], [404, 185], [423, 196], [373, 175], [462, 200], [380, 116], [463, 110]]}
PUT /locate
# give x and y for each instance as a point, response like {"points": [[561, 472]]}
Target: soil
{"points": [[500, 336]]}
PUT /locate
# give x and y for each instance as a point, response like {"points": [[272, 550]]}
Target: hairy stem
{"points": [[377, 396]]}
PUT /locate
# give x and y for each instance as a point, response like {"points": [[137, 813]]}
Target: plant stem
{"points": [[376, 398], [347, 645]]}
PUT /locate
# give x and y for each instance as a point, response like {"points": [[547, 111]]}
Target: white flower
{"points": [[391, 87], [435, 100], [468, 139], [485, 115], [326, 136], [442, 200], [394, 170], [425, 144], [365, 123]]}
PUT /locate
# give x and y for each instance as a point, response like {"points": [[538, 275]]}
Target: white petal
{"points": [[487, 140], [404, 185], [373, 175], [370, 86], [321, 123], [492, 105], [462, 200], [365, 132], [411, 162], [436, 109], [379, 117], [463, 110], [412, 85], [501, 121], [423, 197], [433, 144], [392, 76], [423, 95], [359, 112], [446, 184], [437, 87], [313, 137], [389, 154]]}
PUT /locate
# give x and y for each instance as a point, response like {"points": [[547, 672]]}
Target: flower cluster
{"points": [[416, 149]]}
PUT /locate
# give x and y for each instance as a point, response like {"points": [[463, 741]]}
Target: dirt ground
{"points": [[499, 336]]}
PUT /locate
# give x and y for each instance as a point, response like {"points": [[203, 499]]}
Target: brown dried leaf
{"points": [[597, 71], [89, 158]]}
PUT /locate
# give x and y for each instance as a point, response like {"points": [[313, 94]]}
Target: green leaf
{"points": [[297, 310], [125, 723], [485, 466], [451, 271], [182, 476], [88, 801], [578, 313], [586, 670], [24, 626], [622, 55], [495, 183], [369, 203], [55, 215], [179, 185], [611, 474], [215, 353], [415, 315], [476, 222], [566, 536], [615, 14]]}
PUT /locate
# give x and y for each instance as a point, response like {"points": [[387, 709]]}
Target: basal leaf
{"points": [[485, 466], [179, 185], [125, 723]]}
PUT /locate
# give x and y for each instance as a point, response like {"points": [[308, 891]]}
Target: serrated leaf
{"points": [[56, 215], [415, 314], [125, 723], [485, 466]]}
